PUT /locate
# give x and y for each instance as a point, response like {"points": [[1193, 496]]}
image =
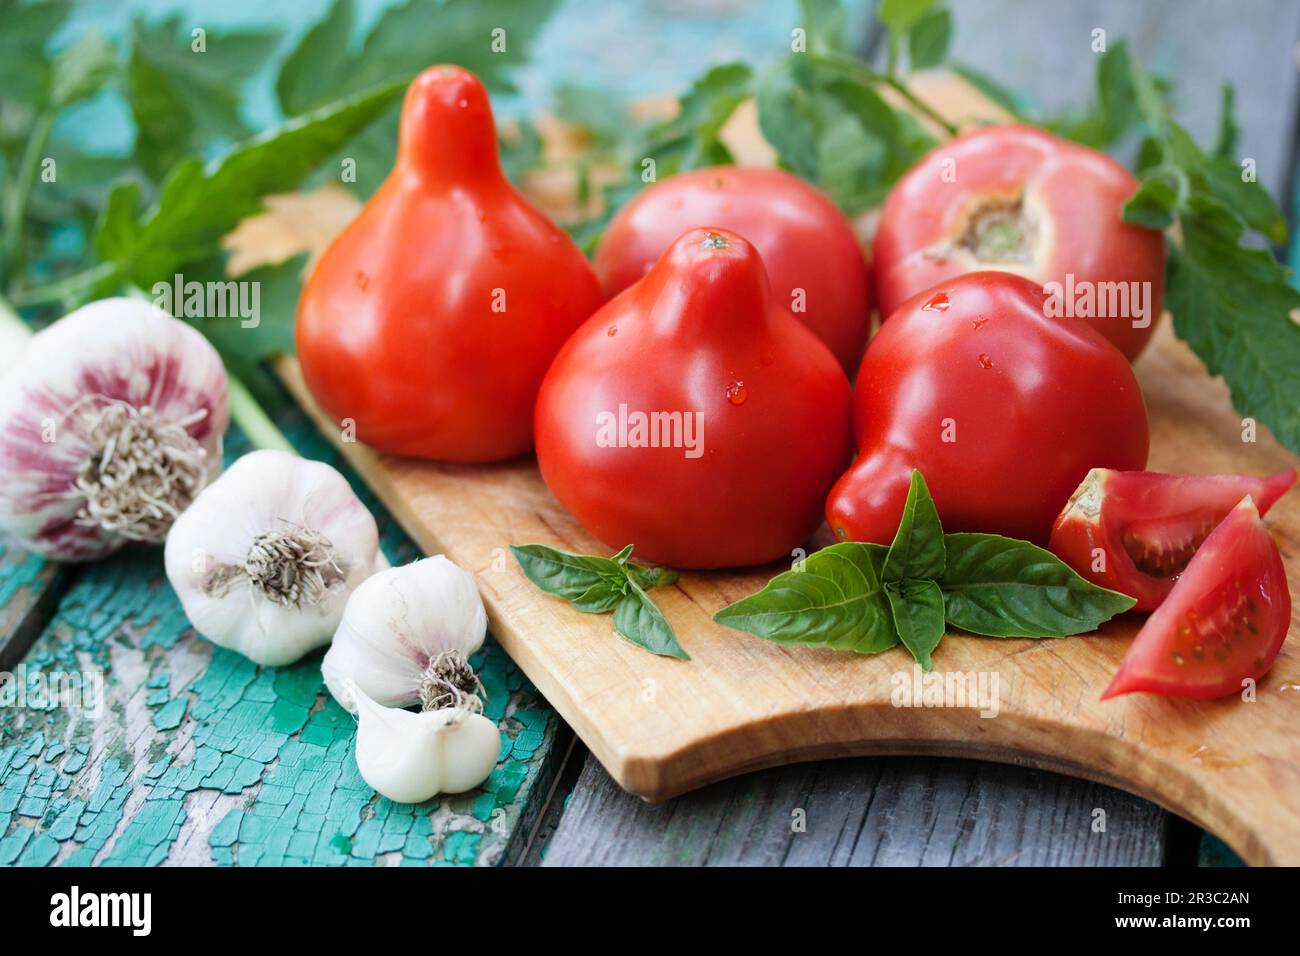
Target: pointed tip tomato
{"points": [[1135, 531], [1223, 622], [430, 320]]}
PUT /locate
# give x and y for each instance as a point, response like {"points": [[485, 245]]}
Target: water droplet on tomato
{"points": [[612, 331], [978, 323], [363, 280], [736, 393], [939, 303], [463, 103], [985, 361], [1178, 659]]}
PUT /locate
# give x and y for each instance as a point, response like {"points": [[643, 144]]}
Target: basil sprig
{"points": [[867, 598], [597, 585]]}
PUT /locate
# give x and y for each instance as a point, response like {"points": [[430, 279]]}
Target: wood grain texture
{"points": [[29, 589], [879, 811], [663, 727]]}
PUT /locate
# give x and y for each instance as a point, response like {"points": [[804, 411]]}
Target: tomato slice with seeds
{"points": [[1135, 531], [1224, 621]]}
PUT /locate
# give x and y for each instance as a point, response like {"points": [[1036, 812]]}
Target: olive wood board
{"points": [[662, 727]]}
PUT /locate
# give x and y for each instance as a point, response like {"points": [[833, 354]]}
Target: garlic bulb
{"points": [[110, 424], [410, 757], [406, 637], [265, 559]]}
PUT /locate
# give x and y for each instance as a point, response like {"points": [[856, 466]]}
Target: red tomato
{"points": [[1135, 531], [1223, 622], [693, 417], [811, 253], [1001, 408], [1022, 200], [431, 319]]}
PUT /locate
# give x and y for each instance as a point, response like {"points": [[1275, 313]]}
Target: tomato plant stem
{"points": [[253, 420], [74, 288], [16, 196]]}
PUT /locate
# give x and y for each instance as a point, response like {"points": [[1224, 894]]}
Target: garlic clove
{"points": [[265, 559], [400, 621], [410, 758]]}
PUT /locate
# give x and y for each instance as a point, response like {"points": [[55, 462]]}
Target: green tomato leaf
{"points": [[918, 549], [927, 41], [918, 612], [823, 25], [836, 600], [81, 70], [181, 94], [637, 619], [1225, 142], [1228, 182], [1153, 206], [309, 76], [25, 33], [198, 205], [1002, 587], [829, 125], [1232, 304], [899, 16]]}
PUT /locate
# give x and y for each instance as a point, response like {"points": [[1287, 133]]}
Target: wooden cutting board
{"points": [[662, 727]]}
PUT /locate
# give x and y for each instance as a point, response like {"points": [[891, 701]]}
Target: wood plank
{"points": [[893, 811], [199, 757], [29, 588]]}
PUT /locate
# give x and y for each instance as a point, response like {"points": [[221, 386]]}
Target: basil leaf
{"points": [[836, 601], [648, 578], [917, 551], [918, 610], [638, 620], [573, 577], [1002, 587], [595, 585]]}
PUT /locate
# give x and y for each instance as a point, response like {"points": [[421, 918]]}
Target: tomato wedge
{"points": [[1224, 621], [1135, 531]]}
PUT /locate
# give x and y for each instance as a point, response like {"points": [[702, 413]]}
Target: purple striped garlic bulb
{"points": [[110, 424]]}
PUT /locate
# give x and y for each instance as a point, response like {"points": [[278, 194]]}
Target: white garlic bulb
{"points": [[406, 637], [410, 757], [110, 425], [266, 557]]}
